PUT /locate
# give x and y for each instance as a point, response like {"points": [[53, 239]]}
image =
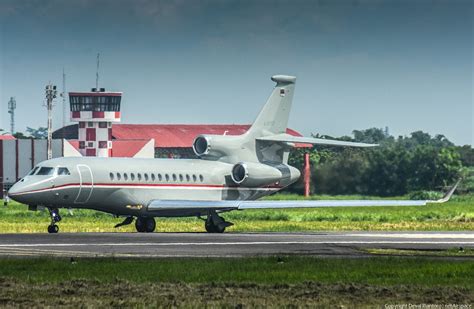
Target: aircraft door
{"points": [[86, 184]]}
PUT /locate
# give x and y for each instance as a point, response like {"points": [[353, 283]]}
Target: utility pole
{"points": [[11, 111], [63, 95], [51, 94]]}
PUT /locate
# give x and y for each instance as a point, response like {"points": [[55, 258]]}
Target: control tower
{"points": [[95, 111]]}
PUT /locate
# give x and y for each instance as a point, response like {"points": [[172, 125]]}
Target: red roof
{"points": [[6, 137], [177, 135], [121, 148]]}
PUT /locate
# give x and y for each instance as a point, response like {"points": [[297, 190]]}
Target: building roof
{"points": [[177, 135], [166, 135], [6, 137], [121, 148]]}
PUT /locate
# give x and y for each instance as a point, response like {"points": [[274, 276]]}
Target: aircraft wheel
{"points": [[211, 228], [150, 225], [53, 229], [140, 224]]}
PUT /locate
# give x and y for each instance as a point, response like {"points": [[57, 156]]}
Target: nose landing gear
{"points": [[55, 217]]}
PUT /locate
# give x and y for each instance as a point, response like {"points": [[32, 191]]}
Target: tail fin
{"points": [[273, 118]]}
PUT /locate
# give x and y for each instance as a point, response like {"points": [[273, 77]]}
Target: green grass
{"points": [[261, 270], [252, 282], [456, 215], [405, 252]]}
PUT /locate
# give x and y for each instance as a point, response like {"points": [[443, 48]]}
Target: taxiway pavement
{"points": [[224, 245]]}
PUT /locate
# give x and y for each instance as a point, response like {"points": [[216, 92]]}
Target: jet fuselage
{"points": [[125, 186]]}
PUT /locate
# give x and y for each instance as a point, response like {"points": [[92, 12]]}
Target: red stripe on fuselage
{"points": [[140, 185]]}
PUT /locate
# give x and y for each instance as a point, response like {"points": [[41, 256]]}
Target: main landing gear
{"points": [[142, 224], [55, 217], [145, 224], [215, 223]]}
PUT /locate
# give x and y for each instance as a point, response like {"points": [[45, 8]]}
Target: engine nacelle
{"points": [[215, 146], [255, 174]]}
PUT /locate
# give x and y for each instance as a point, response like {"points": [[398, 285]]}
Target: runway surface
{"points": [[224, 245]]}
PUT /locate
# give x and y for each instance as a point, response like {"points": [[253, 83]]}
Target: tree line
{"points": [[397, 167]]}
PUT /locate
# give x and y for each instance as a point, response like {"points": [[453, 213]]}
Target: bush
{"points": [[425, 195]]}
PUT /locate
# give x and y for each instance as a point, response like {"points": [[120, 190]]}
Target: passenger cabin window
{"points": [[194, 178], [45, 171], [167, 177], [180, 177], [146, 176], [33, 171], [111, 175], [152, 177], [159, 177], [187, 178], [132, 176], [125, 176], [174, 177], [62, 171], [118, 176], [139, 176], [201, 179]]}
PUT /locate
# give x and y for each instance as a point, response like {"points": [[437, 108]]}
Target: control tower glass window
{"points": [[103, 103]]}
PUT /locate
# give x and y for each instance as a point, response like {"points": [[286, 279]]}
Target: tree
{"points": [[20, 135], [371, 136], [40, 133]]}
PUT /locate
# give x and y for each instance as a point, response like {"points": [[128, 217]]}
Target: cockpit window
{"points": [[45, 171], [33, 171], [63, 171]]}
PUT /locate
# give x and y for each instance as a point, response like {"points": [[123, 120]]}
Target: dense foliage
{"points": [[398, 166]]}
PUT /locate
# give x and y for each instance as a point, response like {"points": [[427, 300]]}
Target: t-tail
{"points": [[273, 118], [266, 141]]}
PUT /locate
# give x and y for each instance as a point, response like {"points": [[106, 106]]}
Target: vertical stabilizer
{"points": [[273, 118]]}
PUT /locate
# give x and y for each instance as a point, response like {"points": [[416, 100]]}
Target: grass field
{"points": [[271, 281], [456, 215]]}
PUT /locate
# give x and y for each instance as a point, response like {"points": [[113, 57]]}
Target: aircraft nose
{"points": [[15, 192]]}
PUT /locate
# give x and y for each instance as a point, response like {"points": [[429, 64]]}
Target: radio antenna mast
{"points": [[97, 73]]}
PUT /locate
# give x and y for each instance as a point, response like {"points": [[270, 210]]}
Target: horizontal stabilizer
{"points": [[286, 138]]}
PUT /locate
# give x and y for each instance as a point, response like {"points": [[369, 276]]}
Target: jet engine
{"points": [[255, 174], [215, 146]]}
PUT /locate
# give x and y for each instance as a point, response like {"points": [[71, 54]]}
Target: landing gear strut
{"points": [[215, 223], [145, 224], [55, 217]]}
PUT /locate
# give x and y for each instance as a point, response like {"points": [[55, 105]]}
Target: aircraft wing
{"points": [[266, 204], [286, 138]]}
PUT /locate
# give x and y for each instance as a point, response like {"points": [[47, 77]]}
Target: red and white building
{"points": [[95, 112]]}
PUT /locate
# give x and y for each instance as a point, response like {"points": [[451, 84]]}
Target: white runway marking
{"points": [[421, 242], [424, 235]]}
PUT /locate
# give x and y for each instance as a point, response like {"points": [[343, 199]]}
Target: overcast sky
{"points": [[407, 65]]}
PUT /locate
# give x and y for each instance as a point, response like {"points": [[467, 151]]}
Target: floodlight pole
{"points": [[51, 94]]}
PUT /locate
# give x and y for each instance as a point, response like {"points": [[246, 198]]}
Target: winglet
{"points": [[448, 194]]}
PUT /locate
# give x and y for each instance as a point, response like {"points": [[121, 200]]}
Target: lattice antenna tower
{"points": [[11, 111]]}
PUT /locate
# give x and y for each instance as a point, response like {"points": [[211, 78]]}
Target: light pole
{"points": [[51, 94]]}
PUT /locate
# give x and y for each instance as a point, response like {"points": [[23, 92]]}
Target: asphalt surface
{"points": [[224, 245]]}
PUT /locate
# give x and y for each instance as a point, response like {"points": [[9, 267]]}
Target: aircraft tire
{"points": [[211, 228], [140, 224], [53, 229], [150, 225]]}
